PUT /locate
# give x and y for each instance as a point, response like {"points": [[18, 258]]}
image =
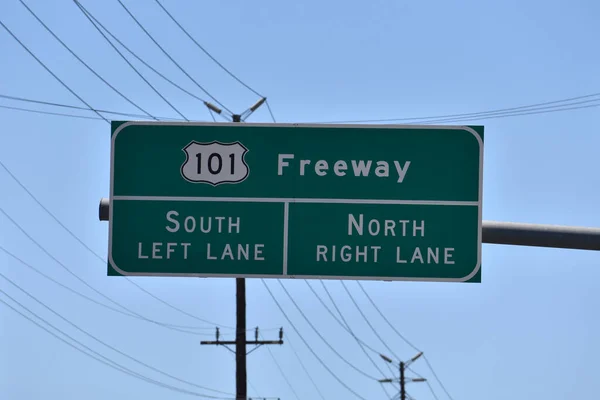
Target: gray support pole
{"points": [[557, 236], [511, 233]]}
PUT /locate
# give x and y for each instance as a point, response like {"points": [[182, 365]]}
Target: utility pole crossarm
{"points": [[232, 342]]}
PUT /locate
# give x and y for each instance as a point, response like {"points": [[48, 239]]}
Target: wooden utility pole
{"points": [[402, 382], [241, 386], [240, 342]]}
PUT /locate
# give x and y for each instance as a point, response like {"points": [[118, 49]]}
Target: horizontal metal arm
{"points": [[511, 233], [566, 237]]}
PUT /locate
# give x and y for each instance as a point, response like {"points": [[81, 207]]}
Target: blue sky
{"points": [[529, 330]]}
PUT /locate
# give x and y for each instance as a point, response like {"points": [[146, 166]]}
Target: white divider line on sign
{"points": [[286, 217], [298, 200]]}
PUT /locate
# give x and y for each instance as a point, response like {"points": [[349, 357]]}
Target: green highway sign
{"points": [[385, 202]]}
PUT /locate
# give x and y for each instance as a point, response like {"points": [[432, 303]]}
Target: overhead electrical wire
{"points": [[50, 113], [49, 103], [432, 391], [253, 388], [270, 111], [369, 322], [85, 332], [52, 73], [128, 312], [96, 23], [545, 110], [373, 329], [507, 111], [139, 24], [362, 347], [97, 357], [484, 117], [131, 65], [206, 51], [346, 328], [283, 374], [323, 364], [308, 374], [87, 65], [404, 339], [88, 248], [360, 371], [382, 315], [45, 251], [70, 289], [94, 354]]}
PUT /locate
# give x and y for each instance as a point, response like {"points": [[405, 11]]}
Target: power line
{"points": [[174, 307], [50, 72], [88, 248], [362, 347], [85, 332], [77, 276], [323, 339], [270, 111], [49, 113], [308, 346], [346, 328], [49, 103], [403, 338], [344, 324], [368, 322], [545, 110], [85, 64], [485, 117], [386, 319], [98, 357], [206, 51], [97, 24], [132, 67], [68, 288], [282, 372], [304, 368], [171, 58], [480, 113], [436, 377], [432, 391]]}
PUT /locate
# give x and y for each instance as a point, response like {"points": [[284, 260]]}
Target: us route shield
{"points": [[215, 163]]}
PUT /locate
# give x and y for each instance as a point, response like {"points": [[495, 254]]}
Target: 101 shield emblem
{"points": [[215, 163]]}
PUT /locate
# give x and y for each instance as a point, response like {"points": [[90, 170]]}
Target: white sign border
{"points": [[301, 125]]}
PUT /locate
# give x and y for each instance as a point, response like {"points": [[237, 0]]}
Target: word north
{"points": [[357, 168]]}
